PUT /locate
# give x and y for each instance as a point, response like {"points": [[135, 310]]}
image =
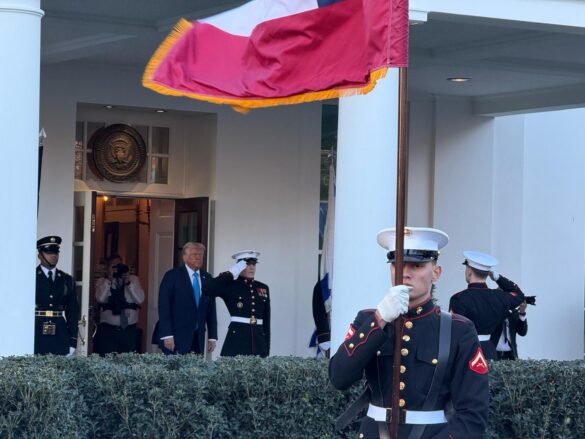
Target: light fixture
{"points": [[160, 111], [458, 79], [106, 198], [109, 107]]}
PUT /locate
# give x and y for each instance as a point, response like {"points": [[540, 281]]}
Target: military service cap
{"points": [[421, 244], [479, 261], [246, 255], [49, 244]]}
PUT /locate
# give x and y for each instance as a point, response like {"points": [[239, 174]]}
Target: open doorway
{"points": [[122, 227], [148, 234]]}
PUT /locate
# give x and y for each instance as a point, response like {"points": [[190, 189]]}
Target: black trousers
{"points": [[506, 355], [113, 339]]}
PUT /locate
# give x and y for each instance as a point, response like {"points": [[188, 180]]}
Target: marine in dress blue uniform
{"points": [[368, 349], [248, 302], [56, 308], [487, 308]]}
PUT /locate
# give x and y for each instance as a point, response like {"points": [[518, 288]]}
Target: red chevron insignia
{"points": [[478, 363], [350, 333]]}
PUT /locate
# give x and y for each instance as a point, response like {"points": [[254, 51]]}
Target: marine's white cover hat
{"points": [[245, 255], [480, 261], [421, 244]]}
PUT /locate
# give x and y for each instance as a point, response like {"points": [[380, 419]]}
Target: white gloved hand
{"points": [[394, 303], [494, 275], [71, 352], [237, 268], [325, 346]]}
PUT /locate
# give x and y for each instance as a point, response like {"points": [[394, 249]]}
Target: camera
{"points": [[119, 270], [530, 300]]}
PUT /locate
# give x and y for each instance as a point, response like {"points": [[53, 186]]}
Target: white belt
{"points": [[252, 321], [412, 417], [484, 337]]}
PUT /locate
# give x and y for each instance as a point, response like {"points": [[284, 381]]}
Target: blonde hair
{"points": [[191, 244]]}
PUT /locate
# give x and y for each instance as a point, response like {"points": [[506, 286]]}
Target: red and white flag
{"points": [[275, 52]]}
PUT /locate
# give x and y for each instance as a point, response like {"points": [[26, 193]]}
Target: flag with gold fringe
{"points": [[277, 52]]}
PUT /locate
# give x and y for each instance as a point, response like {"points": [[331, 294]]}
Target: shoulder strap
{"points": [[353, 410], [444, 351]]}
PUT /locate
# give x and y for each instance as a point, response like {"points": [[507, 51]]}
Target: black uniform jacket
{"points": [[487, 308], [367, 348], [245, 298], [516, 326], [320, 315], [60, 296]]}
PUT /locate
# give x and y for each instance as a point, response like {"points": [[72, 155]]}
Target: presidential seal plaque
{"points": [[119, 152]]}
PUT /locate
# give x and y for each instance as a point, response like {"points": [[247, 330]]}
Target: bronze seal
{"points": [[119, 152]]}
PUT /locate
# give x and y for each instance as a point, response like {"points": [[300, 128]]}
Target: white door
{"points": [[162, 225], [84, 231]]}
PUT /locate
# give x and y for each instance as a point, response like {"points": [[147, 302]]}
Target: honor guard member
{"points": [[443, 374], [248, 302], [56, 310], [485, 307]]}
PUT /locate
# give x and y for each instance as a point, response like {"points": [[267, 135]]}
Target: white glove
{"points": [[394, 303], [494, 275], [237, 268], [71, 352], [325, 346]]}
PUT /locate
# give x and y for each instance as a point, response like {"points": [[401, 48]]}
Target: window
{"points": [[156, 168]]}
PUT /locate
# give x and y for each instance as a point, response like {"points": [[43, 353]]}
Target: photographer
{"points": [[504, 337], [119, 296]]}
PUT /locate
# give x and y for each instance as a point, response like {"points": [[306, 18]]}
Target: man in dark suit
{"points": [[504, 337], [56, 310], [184, 313]]}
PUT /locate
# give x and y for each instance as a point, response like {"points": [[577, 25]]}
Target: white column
{"points": [[20, 29], [365, 201]]}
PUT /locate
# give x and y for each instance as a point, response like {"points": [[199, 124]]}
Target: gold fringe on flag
{"points": [[244, 105]]}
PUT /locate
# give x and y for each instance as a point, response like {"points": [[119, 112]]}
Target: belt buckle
{"points": [[401, 416], [49, 328], [252, 320]]}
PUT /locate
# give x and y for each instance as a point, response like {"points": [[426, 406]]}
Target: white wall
{"points": [[421, 163], [267, 187], [553, 229], [463, 188], [262, 173], [514, 187]]}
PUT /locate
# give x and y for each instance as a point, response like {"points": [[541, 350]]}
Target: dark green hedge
{"points": [[151, 396]]}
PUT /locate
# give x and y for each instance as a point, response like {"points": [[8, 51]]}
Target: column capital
{"points": [[16, 8]]}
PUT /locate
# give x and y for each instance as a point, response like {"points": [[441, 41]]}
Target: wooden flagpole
{"points": [[402, 164]]}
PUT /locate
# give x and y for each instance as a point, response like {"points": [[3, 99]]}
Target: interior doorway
{"points": [[148, 234]]}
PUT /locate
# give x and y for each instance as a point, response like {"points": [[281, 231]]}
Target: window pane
{"points": [[78, 263], [159, 170], [79, 215], [92, 127], [160, 140], [188, 227]]}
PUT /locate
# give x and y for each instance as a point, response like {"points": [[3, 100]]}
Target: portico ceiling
{"points": [[512, 66]]}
